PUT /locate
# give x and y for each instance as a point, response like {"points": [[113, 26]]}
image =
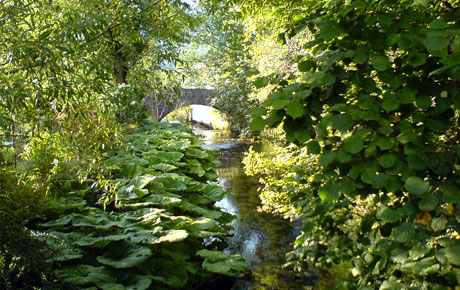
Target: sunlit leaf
{"points": [[258, 124], [295, 109], [439, 223], [261, 82]]}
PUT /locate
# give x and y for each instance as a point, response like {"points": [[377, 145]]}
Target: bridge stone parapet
{"points": [[186, 97]]}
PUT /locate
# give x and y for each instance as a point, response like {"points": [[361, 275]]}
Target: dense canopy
{"points": [[362, 98]]}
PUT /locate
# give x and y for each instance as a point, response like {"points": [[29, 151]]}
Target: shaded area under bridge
{"points": [[187, 97]]}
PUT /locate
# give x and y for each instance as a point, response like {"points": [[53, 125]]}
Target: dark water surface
{"points": [[262, 239]]}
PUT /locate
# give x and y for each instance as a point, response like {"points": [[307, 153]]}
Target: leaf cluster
{"points": [[377, 101], [158, 220]]}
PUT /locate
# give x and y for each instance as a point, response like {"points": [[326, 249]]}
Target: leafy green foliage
{"points": [[383, 106], [24, 257], [219, 262], [159, 217], [216, 59], [283, 174], [56, 57]]}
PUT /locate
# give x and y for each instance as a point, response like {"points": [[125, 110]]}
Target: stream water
{"points": [[262, 239]]}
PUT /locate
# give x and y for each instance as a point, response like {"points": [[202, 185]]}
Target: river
{"points": [[262, 239]]}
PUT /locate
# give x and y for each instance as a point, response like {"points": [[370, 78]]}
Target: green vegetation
{"points": [[365, 91], [154, 228], [81, 205], [374, 108], [215, 118]]}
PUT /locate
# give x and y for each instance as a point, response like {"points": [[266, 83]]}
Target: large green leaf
{"points": [[450, 193], [326, 78], [329, 193], [353, 144], [213, 192], [403, 233], [197, 153], [145, 236], [198, 170], [173, 236], [385, 143], [159, 199], [380, 63], [141, 181], [85, 275], [327, 158], [302, 136], [453, 255], [419, 251], [422, 267], [387, 160], [417, 59], [251, 72], [342, 122], [435, 42], [101, 241], [408, 95], [416, 161], [219, 262], [124, 255], [261, 82], [172, 181], [360, 55], [306, 65], [428, 203], [416, 186], [258, 123], [172, 273], [206, 212], [399, 255], [390, 102], [438, 24], [387, 214], [295, 109], [280, 104], [328, 30], [170, 157], [439, 223], [390, 285], [313, 147]]}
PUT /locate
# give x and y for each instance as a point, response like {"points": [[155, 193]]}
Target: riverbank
{"points": [[262, 239], [148, 227]]}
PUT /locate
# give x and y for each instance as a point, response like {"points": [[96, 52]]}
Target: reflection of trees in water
{"points": [[261, 238], [229, 172]]}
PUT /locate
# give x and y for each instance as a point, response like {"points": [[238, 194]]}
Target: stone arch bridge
{"points": [[185, 98]]}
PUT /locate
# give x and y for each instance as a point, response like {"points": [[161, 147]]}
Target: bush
{"points": [[377, 102], [160, 227], [24, 258]]}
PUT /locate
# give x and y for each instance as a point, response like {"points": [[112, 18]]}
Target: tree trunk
{"points": [[121, 68]]}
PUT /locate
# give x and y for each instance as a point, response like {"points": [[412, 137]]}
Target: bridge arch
{"points": [[202, 114], [187, 97]]}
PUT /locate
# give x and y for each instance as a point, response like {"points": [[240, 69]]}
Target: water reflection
{"points": [[262, 239]]}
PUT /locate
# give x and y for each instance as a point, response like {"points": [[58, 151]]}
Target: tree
{"points": [[71, 52], [377, 103], [61, 65], [228, 51]]}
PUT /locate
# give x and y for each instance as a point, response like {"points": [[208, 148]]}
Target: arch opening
{"points": [[201, 114]]}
